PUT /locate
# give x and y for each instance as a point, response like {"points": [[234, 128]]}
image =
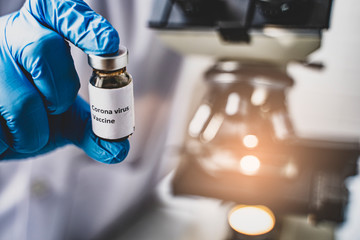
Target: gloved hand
{"points": [[39, 107]]}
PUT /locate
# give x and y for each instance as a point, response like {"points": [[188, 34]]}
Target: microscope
{"points": [[241, 145]]}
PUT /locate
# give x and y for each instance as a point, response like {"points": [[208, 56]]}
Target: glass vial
{"points": [[111, 96]]}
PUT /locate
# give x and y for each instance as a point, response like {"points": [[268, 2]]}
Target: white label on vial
{"points": [[112, 111]]}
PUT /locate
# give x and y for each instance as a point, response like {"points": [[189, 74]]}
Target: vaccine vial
{"points": [[111, 96]]}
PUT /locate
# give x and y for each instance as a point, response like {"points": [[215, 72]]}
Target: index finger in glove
{"points": [[77, 22], [45, 55]]}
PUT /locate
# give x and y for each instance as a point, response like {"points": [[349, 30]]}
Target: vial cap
{"points": [[111, 62]]}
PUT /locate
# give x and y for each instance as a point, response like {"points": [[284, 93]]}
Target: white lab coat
{"points": [[67, 195]]}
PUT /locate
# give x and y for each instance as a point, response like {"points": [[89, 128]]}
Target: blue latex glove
{"points": [[39, 107]]}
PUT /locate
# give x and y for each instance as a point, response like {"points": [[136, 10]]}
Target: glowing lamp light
{"points": [[199, 120], [250, 141], [249, 165], [251, 220], [232, 105]]}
